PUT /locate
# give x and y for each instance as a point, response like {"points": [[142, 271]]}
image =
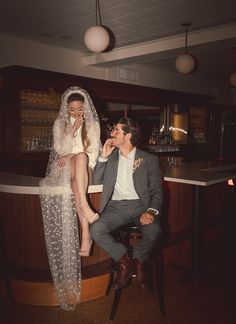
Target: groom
{"points": [[132, 192]]}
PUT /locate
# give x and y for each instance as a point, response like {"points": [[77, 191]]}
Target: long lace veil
{"points": [[58, 207]]}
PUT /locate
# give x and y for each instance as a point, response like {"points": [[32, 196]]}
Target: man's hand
{"points": [[146, 218], [107, 148]]}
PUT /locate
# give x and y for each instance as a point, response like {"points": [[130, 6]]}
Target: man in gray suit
{"points": [[132, 192]]}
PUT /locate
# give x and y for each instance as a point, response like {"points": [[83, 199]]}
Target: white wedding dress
{"points": [[57, 202]]}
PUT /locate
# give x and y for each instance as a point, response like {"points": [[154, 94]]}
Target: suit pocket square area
{"points": [[137, 163]]}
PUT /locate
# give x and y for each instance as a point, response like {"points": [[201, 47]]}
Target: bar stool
{"points": [[128, 234]]}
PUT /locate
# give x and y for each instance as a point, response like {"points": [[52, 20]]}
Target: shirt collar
{"points": [[130, 156]]}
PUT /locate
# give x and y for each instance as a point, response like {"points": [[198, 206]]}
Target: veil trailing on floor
{"points": [[57, 202]]}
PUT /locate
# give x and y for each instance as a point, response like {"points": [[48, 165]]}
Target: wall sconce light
{"points": [[233, 79], [231, 182], [185, 63], [96, 38]]}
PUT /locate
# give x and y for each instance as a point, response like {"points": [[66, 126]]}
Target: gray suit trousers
{"points": [[116, 214]]}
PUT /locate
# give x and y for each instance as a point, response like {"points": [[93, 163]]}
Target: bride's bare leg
{"points": [[79, 185], [86, 240], [80, 179]]}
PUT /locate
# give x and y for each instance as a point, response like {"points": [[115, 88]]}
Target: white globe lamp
{"points": [[233, 79], [184, 63], [96, 39]]}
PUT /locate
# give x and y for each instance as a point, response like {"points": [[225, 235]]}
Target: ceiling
{"points": [[146, 31]]}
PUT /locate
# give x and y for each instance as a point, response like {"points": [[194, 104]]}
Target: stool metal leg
{"points": [[158, 281], [160, 286], [111, 278], [116, 300]]}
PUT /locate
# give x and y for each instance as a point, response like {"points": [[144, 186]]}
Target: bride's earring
{"points": [[85, 114]]}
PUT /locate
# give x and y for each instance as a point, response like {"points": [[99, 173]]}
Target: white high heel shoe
{"points": [[92, 218], [86, 252]]}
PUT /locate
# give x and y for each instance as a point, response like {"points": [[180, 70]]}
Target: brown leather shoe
{"points": [[141, 275], [124, 272]]}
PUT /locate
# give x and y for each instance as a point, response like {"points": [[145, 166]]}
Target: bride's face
{"points": [[76, 108]]}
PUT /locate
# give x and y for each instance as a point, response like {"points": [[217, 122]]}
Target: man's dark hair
{"points": [[131, 126]]}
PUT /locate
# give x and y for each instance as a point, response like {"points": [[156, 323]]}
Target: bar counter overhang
{"points": [[198, 195]]}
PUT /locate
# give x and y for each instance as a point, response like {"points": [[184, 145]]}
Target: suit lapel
{"points": [[110, 179], [114, 168], [136, 173]]}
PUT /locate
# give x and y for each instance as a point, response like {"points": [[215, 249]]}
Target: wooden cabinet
{"points": [[38, 110], [198, 124], [203, 133], [179, 126]]}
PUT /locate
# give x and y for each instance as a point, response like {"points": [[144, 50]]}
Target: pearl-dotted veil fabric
{"points": [[57, 202]]}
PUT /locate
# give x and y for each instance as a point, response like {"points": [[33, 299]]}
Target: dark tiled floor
{"points": [[209, 300]]}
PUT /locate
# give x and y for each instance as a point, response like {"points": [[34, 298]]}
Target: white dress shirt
{"points": [[124, 187]]}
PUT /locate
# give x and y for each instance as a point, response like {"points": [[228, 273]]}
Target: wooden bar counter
{"points": [[208, 199], [26, 251], [184, 208]]}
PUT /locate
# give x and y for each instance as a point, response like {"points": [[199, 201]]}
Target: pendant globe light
{"points": [[233, 79], [185, 63], [96, 38]]}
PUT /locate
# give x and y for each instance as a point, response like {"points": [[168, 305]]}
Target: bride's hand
{"points": [[62, 161], [79, 120]]}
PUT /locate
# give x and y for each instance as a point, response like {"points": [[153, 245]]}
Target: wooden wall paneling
{"points": [[24, 231], [107, 90], [1, 119], [218, 202], [25, 235], [180, 206]]}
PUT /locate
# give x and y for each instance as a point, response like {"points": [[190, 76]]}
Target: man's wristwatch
{"points": [[102, 158], [152, 211]]}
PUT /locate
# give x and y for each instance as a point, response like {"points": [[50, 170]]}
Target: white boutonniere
{"points": [[137, 163]]}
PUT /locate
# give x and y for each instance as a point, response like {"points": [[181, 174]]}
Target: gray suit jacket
{"points": [[146, 177]]}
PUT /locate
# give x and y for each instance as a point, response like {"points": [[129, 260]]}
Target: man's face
{"points": [[118, 136]]}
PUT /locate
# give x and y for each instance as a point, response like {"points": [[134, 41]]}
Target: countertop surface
{"points": [[23, 184], [199, 173]]}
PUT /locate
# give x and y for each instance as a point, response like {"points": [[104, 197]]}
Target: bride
{"points": [[76, 144]]}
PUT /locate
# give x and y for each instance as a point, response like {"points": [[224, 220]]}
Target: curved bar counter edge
{"points": [[24, 260]]}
